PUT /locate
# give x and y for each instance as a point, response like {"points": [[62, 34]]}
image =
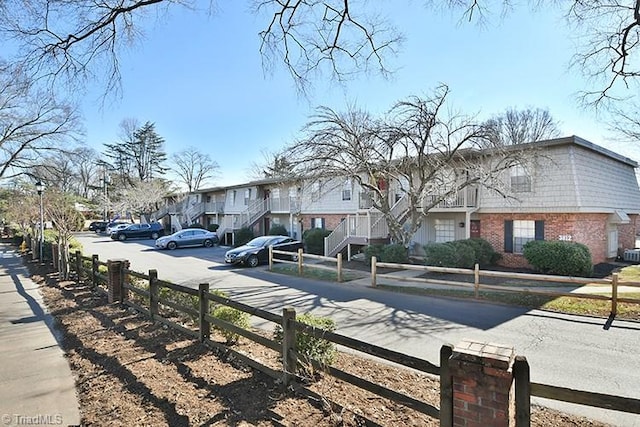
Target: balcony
{"points": [[214, 207], [463, 199]]}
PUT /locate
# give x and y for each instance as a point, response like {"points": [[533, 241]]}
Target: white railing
{"points": [[465, 198], [358, 225], [284, 204], [214, 207], [254, 211]]}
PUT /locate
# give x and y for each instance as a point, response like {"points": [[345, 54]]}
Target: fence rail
{"points": [[477, 274]]}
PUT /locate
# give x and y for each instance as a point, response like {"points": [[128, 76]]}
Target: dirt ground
{"points": [[132, 372]]}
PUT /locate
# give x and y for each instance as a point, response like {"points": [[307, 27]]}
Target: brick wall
{"points": [[331, 221], [588, 229]]}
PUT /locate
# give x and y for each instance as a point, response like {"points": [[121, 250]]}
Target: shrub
{"points": [[309, 347], [314, 240], [373, 251], [213, 227], [395, 253], [278, 230], [196, 225], [450, 254], [233, 316], [485, 255], [558, 257], [243, 236]]}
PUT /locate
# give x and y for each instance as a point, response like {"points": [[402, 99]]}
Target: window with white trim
{"points": [[247, 196], [317, 222], [346, 190], [520, 179], [523, 232], [445, 230]]}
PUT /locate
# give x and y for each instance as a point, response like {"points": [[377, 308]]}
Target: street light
{"points": [[39, 189]]}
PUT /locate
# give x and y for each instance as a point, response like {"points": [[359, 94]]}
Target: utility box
{"points": [[632, 255]]}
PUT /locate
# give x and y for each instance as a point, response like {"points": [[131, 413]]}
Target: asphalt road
{"points": [[563, 350]]}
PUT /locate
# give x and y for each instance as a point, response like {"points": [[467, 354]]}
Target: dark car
{"points": [[98, 226], [188, 237], [139, 231], [257, 250]]}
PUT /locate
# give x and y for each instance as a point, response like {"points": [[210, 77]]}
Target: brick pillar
{"points": [[116, 290], [482, 380]]}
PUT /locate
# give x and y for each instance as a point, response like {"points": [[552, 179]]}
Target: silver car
{"points": [[188, 237]]}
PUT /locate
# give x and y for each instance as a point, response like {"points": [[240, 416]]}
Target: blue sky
{"points": [[200, 78]]}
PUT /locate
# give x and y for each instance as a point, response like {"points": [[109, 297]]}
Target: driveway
{"points": [[568, 351]]}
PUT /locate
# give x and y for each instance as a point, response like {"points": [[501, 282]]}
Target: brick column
{"points": [[116, 290], [482, 380]]}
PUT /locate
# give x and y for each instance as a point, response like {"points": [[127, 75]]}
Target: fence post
{"points": [[482, 383], [115, 288], [288, 344], [476, 280], [153, 293], [299, 262], [270, 258], [79, 266], [205, 328], [373, 271], [521, 375], [614, 294], [446, 387], [339, 266], [94, 270]]}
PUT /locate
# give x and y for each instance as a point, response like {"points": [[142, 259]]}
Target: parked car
{"points": [[118, 227], [257, 250], [139, 231], [188, 237], [98, 226], [113, 224]]}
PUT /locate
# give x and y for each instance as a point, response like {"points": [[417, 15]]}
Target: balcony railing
{"points": [[284, 204], [465, 198], [214, 207]]}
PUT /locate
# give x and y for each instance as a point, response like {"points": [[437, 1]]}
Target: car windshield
{"points": [[259, 242]]}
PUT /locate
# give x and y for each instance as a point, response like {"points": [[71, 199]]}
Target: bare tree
{"points": [[65, 38], [32, 122], [60, 209], [521, 126], [427, 154], [194, 168], [142, 198]]}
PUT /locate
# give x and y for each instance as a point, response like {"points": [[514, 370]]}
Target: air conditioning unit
{"points": [[632, 255]]}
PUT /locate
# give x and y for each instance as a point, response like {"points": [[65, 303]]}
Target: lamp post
{"points": [[39, 189]]}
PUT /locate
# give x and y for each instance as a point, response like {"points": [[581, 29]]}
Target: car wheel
{"points": [[172, 245], [253, 261], [207, 243], [154, 235], [122, 237]]}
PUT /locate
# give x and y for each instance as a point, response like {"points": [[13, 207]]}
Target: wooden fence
{"points": [[151, 302], [299, 258], [477, 274]]}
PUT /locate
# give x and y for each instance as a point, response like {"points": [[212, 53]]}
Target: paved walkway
{"points": [[36, 383]]}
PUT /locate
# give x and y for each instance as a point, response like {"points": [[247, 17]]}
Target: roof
{"points": [[568, 140]]}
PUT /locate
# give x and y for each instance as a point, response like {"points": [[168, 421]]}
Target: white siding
{"points": [[329, 198]]}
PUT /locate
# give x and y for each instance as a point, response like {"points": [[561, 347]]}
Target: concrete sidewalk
{"points": [[36, 383]]}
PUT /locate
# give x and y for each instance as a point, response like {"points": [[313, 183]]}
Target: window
{"points": [[520, 179], [275, 193], [247, 196], [517, 233], [346, 190], [208, 199], [445, 230], [317, 222], [234, 194]]}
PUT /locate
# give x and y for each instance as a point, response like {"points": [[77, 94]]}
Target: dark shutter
{"points": [[322, 223], [539, 230], [508, 235]]}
